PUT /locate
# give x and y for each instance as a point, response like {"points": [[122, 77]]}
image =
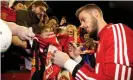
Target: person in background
{"points": [[114, 56], [33, 16], [18, 5], [72, 31], [63, 21], [28, 18], [46, 28], [88, 47], [53, 23], [9, 29], [7, 14], [67, 35]]}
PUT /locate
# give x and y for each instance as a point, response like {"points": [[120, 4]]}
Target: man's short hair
{"points": [[38, 3], [88, 7]]}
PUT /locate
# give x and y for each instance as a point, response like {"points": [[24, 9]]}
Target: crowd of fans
{"points": [[60, 50], [34, 15]]}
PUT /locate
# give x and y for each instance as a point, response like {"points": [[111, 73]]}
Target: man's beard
{"points": [[94, 31]]}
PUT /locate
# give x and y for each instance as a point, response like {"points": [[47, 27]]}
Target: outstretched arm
{"points": [[21, 31]]}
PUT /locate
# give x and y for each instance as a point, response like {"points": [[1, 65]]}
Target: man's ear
{"points": [[95, 13]]}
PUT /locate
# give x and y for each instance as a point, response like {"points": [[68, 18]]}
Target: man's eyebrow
{"points": [[82, 18]]}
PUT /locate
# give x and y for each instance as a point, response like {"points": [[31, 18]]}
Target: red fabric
{"points": [[51, 40], [16, 76], [114, 57], [54, 69], [80, 40], [64, 40], [8, 14]]}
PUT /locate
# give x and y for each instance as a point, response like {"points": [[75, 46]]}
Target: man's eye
{"points": [[83, 20]]}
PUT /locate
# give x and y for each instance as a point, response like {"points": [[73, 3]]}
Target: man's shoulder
{"points": [[118, 28], [23, 16], [22, 11], [116, 25]]}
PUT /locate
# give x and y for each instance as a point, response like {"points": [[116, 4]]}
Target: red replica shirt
{"points": [[8, 14], [114, 57], [64, 40]]}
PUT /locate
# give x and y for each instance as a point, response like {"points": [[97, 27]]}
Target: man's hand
{"points": [[60, 58], [21, 31], [24, 33], [18, 42], [73, 50]]}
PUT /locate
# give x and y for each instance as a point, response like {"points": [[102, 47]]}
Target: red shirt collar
{"points": [[102, 31]]}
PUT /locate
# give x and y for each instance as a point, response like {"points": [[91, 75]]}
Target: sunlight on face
{"points": [[19, 6], [70, 31]]}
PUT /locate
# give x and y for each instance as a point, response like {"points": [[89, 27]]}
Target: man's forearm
{"points": [[13, 27], [78, 59], [18, 42]]}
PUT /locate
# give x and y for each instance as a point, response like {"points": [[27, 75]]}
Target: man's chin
{"points": [[93, 34], [88, 30]]}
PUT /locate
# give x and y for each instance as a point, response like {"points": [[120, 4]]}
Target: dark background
{"points": [[113, 11]]}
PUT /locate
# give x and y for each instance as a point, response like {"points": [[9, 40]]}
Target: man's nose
{"points": [[81, 26]]}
